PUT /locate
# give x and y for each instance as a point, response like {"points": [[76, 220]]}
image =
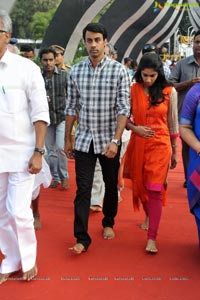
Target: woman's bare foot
{"points": [[151, 246], [78, 248], [145, 224], [29, 275]]}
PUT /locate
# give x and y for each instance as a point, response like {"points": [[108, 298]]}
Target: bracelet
{"points": [[129, 121], [173, 146]]}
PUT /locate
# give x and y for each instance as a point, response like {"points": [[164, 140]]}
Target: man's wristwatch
{"points": [[117, 142], [40, 150]]}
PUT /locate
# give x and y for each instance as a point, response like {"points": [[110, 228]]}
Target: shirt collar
{"points": [[101, 63], [6, 58], [192, 59], [56, 71]]}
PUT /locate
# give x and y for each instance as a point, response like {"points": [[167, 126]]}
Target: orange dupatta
{"points": [[135, 151]]}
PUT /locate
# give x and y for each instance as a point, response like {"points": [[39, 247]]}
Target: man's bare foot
{"points": [[151, 246], [145, 224], [78, 248], [120, 199], [5, 277], [29, 275], [37, 223], [96, 208], [108, 233]]}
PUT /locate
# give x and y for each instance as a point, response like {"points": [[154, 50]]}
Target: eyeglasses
{"points": [[149, 48], [2, 31]]}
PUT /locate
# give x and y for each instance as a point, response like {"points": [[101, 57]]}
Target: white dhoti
{"points": [[98, 187], [125, 140], [44, 178], [17, 235]]}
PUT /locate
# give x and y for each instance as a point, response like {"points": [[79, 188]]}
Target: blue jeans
{"points": [[55, 149]]}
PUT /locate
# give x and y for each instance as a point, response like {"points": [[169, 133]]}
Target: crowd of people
{"points": [[125, 117]]}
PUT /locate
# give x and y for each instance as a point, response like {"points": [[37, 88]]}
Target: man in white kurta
{"points": [[23, 119]]}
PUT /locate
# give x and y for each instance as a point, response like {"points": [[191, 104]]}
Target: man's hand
{"points": [[70, 153], [35, 163], [195, 80], [110, 150]]}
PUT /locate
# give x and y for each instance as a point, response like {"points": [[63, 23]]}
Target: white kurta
{"points": [[21, 91]]}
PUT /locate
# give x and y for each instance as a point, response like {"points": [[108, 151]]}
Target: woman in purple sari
{"points": [[190, 132]]}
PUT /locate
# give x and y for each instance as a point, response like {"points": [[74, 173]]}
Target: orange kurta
{"points": [[148, 159]]}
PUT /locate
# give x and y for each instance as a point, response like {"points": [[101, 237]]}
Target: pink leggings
{"points": [[153, 209]]}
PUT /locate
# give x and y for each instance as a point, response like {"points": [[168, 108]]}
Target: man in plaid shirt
{"points": [[56, 88], [99, 93]]}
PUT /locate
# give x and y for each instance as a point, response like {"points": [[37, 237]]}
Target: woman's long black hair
{"points": [[153, 61]]}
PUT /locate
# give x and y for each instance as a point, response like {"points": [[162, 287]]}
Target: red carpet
{"points": [[119, 268]]}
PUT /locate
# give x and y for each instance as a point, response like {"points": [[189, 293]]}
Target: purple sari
{"points": [[190, 115]]}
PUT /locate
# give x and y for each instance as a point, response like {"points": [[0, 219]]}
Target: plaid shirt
{"points": [[56, 88], [167, 71], [98, 95]]}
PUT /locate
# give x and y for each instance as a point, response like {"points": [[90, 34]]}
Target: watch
{"points": [[117, 142], [40, 150]]}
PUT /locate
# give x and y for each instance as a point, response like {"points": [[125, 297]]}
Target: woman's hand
{"points": [[174, 160], [144, 131]]}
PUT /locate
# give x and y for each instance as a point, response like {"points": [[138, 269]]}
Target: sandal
{"points": [[65, 184], [54, 184]]}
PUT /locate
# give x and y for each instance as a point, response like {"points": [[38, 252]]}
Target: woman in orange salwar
{"points": [[152, 147]]}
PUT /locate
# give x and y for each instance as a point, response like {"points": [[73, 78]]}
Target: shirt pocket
{"points": [[14, 99], [109, 85]]}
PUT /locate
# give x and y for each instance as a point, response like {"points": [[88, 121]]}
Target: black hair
{"points": [[153, 61], [47, 51], [95, 27], [26, 48], [197, 33], [134, 63], [127, 59]]}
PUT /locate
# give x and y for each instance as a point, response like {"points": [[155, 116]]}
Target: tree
{"points": [[40, 23], [26, 15]]}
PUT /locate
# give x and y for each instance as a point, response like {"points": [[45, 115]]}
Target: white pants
{"points": [[17, 235]]}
